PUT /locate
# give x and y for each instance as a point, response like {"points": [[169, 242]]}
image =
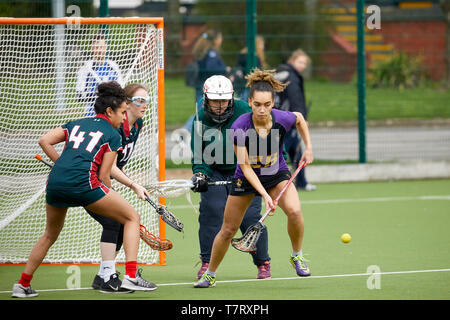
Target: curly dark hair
{"points": [[109, 94], [263, 80]]}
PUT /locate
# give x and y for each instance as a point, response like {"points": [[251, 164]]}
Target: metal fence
{"points": [[406, 52], [407, 61]]}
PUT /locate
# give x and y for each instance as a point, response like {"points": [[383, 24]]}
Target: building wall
{"points": [[426, 38]]}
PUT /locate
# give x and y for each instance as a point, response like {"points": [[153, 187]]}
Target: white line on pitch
{"points": [[380, 199], [318, 277], [273, 279]]}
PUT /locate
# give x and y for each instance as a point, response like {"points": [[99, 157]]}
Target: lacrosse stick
{"points": [[166, 215], [38, 156], [153, 241], [177, 187], [247, 243]]}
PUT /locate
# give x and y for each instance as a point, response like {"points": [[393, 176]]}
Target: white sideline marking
{"points": [[381, 199], [273, 279]]}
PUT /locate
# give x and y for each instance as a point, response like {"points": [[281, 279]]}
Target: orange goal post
{"points": [[41, 63]]}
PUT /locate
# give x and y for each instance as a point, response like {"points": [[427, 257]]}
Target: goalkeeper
{"points": [[219, 112]]}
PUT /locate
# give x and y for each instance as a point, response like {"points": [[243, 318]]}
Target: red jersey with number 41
{"points": [[87, 140]]}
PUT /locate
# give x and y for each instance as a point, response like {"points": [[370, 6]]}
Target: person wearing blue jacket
{"points": [[207, 54]]}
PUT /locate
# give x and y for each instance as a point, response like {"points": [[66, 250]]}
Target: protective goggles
{"points": [[139, 101]]}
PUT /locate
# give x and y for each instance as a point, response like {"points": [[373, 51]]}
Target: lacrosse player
{"points": [[95, 71], [107, 279], [258, 144], [80, 176], [219, 112]]}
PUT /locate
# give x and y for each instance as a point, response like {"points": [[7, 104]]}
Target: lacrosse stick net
{"points": [[177, 187], [170, 188], [156, 243], [167, 216]]}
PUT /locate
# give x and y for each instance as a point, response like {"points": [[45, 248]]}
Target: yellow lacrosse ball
{"points": [[345, 238]]}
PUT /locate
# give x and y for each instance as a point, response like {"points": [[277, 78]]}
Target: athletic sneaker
{"points": [[206, 281], [202, 270], [264, 271], [97, 283], [298, 262], [309, 187], [20, 291], [138, 283], [113, 285]]}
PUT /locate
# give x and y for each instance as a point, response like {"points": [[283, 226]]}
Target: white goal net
{"points": [[39, 66]]}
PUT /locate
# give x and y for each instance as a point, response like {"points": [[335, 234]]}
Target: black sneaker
{"points": [[97, 283], [113, 285]]}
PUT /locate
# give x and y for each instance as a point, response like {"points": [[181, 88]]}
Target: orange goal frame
{"points": [[159, 23]]}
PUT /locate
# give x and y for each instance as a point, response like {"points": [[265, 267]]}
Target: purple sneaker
{"points": [[202, 269], [206, 281], [264, 271], [298, 262]]}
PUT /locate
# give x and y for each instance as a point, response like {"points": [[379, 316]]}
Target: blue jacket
{"points": [[211, 64]]}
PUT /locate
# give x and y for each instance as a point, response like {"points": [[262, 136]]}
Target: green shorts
{"points": [[64, 198], [242, 187]]}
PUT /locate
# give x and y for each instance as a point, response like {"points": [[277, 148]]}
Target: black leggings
{"points": [[112, 230]]}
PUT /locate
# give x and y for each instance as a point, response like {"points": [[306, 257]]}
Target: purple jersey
{"points": [[265, 154]]}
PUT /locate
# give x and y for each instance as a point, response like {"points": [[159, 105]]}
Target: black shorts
{"points": [[242, 187]]}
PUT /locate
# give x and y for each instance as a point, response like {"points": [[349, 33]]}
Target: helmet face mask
{"points": [[216, 117], [218, 88]]}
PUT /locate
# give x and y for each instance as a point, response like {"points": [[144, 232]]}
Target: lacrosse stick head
{"points": [[247, 243], [153, 241], [170, 219], [170, 188]]}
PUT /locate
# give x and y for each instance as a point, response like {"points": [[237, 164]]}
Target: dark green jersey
{"points": [[87, 140], [129, 138], [211, 146]]}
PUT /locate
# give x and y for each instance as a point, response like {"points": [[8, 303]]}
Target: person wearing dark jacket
{"points": [[293, 99], [207, 54], [239, 72]]}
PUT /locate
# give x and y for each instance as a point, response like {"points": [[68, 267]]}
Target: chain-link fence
{"points": [[407, 64]]}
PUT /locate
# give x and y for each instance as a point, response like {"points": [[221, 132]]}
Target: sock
{"points": [[300, 253], [107, 268], [210, 273], [130, 268], [25, 279]]}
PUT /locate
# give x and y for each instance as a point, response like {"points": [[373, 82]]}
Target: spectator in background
{"points": [[207, 54], [293, 99], [95, 71], [239, 72]]}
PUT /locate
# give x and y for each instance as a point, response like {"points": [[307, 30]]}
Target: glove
{"points": [[200, 183]]}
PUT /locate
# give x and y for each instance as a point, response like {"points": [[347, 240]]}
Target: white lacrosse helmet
{"points": [[218, 88]]}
